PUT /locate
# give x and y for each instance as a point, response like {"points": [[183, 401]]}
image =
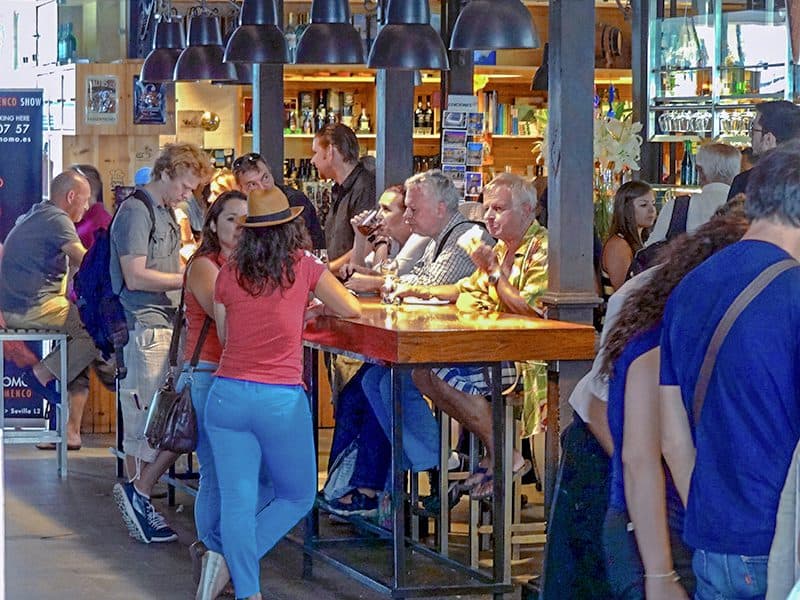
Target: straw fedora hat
{"points": [[268, 208]]}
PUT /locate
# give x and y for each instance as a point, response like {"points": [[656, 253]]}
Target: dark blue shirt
{"points": [[639, 345], [750, 422]]}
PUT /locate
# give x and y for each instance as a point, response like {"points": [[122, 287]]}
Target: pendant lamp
{"points": [[168, 42], [407, 40], [491, 24], [244, 75], [259, 38], [330, 38], [202, 58], [540, 78]]}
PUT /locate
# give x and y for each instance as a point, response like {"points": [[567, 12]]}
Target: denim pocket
{"points": [[753, 572]]}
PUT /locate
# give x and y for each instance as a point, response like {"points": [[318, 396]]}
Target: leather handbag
{"points": [[171, 420]]}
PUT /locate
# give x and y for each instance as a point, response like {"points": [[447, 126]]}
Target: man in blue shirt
{"points": [[750, 420]]}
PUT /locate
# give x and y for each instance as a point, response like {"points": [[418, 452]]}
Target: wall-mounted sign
{"points": [[149, 103], [102, 100]]}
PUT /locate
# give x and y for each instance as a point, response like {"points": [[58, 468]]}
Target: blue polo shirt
{"points": [[750, 422]]}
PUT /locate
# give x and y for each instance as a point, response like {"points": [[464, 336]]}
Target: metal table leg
{"points": [[63, 410], [312, 519], [398, 488], [501, 567]]}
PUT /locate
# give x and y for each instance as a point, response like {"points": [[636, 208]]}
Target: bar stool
{"points": [[38, 435]]}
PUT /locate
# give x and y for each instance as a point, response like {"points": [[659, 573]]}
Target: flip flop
{"points": [[488, 482], [52, 446], [479, 470]]}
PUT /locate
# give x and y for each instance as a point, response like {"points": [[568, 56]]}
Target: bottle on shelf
{"points": [[321, 113], [61, 48], [71, 44], [290, 33], [347, 109], [427, 120], [308, 123], [688, 169], [292, 124], [364, 125]]}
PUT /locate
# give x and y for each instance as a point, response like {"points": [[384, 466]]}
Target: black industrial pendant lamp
{"points": [[168, 42], [259, 38], [407, 40], [202, 58], [540, 78], [244, 75], [330, 38], [491, 24]]}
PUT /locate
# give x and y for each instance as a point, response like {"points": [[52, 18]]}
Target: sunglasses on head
{"points": [[251, 159]]}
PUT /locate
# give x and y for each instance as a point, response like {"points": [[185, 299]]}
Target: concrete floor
{"points": [[65, 539]]}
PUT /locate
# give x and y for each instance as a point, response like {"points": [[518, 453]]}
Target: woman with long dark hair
{"points": [[645, 556], [634, 215], [220, 233], [257, 415]]}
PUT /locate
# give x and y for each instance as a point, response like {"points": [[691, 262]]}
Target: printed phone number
{"points": [[18, 129]]}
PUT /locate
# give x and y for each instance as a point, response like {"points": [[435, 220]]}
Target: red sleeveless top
{"points": [[195, 315]]}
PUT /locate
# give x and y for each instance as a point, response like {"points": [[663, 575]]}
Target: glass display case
{"points": [[711, 62]]}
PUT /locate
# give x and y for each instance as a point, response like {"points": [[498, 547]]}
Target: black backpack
{"points": [[648, 256], [99, 306]]}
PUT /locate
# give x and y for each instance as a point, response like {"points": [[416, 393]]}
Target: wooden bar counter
{"points": [[412, 335]]}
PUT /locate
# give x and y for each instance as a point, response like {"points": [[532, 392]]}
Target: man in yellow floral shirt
{"points": [[509, 278]]}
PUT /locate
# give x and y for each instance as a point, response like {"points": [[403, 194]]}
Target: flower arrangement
{"points": [[617, 144]]}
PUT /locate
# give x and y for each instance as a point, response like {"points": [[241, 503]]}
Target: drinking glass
{"points": [[389, 271]]}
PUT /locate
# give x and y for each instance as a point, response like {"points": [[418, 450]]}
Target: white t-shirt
{"points": [[702, 207]]}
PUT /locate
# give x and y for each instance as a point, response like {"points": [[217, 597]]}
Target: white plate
{"points": [[429, 301]]}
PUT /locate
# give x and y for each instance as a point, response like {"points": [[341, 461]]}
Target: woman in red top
{"points": [[257, 415], [221, 231]]}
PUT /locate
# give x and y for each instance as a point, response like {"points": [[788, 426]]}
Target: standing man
{"points": [[38, 253], [335, 149], [776, 122], [747, 425], [146, 273], [253, 173]]}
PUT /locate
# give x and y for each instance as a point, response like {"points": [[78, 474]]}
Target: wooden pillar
{"points": [[394, 146], [268, 111], [571, 294]]}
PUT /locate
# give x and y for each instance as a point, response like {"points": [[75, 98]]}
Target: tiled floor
{"points": [[65, 539]]}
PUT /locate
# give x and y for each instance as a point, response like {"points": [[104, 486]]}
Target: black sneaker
{"points": [[143, 522], [360, 505]]}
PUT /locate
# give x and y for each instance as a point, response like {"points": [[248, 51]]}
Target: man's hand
{"points": [[484, 258]]}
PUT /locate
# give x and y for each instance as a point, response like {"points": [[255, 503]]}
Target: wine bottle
{"points": [[321, 114], [686, 164], [419, 116], [427, 120]]}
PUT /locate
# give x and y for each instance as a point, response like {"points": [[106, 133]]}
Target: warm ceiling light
{"points": [[407, 40], [202, 58], [492, 24], [330, 38], [259, 38]]}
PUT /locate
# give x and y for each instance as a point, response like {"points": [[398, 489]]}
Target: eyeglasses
{"points": [[251, 158], [754, 129]]}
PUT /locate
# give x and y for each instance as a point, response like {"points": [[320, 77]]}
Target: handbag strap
{"points": [[753, 289], [200, 341], [177, 327]]}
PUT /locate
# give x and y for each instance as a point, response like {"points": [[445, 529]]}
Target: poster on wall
{"points": [[20, 187], [102, 100], [149, 103]]}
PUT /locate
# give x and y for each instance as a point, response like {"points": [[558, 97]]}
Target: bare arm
{"points": [[75, 252], [676, 438], [335, 265], [219, 318], [139, 278], [200, 282], [617, 257], [598, 424], [336, 297], [644, 475], [512, 299], [443, 292]]}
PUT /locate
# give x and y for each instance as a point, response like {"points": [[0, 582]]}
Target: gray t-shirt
{"points": [[34, 265], [130, 236]]}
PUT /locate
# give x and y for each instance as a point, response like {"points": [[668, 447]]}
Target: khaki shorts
{"points": [[146, 357]]}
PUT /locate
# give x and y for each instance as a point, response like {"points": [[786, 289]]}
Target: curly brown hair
{"points": [[265, 256], [645, 307]]}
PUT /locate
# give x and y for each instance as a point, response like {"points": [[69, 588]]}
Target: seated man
{"points": [[432, 211], [509, 278], [38, 253]]}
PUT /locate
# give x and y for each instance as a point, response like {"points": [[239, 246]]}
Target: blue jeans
{"points": [[420, 429], [355, 420], [729, 576], [207, 503], [253, 427]]}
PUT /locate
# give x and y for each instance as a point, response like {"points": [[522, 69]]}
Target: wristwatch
{"points": [[494, 276]]}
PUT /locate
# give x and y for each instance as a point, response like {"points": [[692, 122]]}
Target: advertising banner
{"points": [[20, 188]]}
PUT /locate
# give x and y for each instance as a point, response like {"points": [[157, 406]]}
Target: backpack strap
{"points": [[753, 289], [449, 232], [144, 199], [680, 213]]}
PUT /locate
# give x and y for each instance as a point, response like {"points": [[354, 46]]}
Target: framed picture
{"points": [[149, 103], [102, 99], [473, 183]]}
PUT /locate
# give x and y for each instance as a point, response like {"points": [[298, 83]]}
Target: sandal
{"points": [[477, 477], [485, 489]]}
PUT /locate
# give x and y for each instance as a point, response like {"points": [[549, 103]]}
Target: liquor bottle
{"points": [[321, 114], [71, 44], [427, 121], [308, 124], [419, 116], [363, 122], [292, 121], [347, 109], [291, 37], [686, 164], [61, 48]]}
